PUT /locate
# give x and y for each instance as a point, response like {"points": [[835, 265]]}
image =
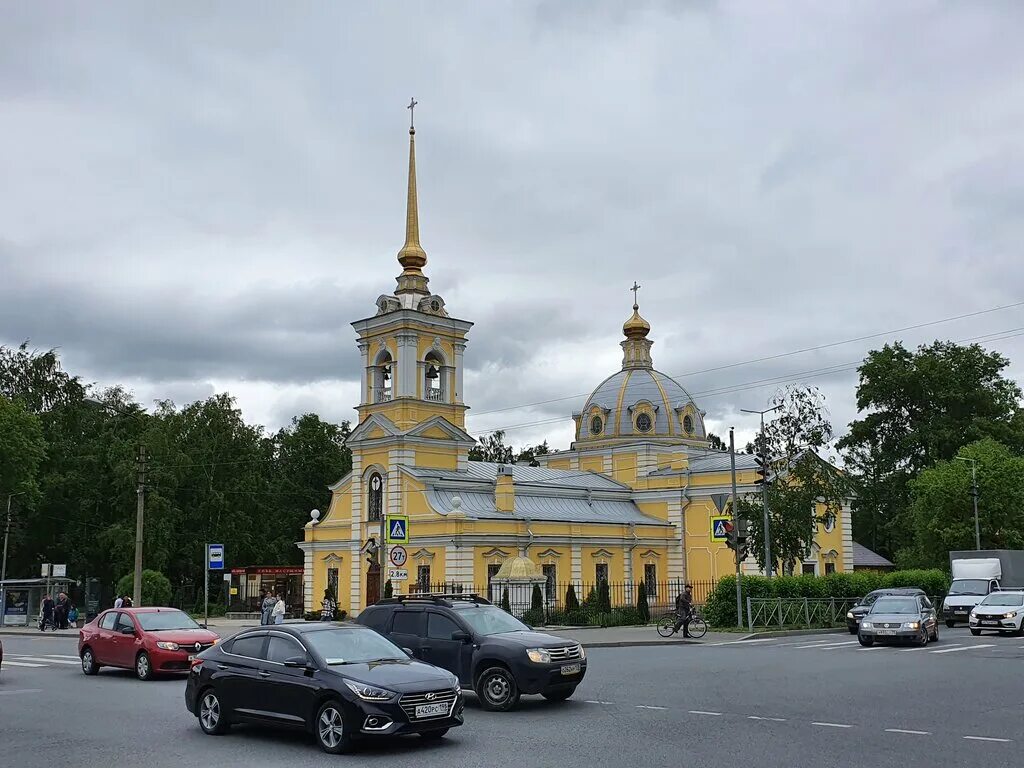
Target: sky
{"points": [[201, 197]]}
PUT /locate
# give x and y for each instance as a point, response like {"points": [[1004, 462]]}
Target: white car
{"points": [[1001, 612]]}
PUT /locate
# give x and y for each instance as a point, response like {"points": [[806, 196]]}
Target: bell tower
{"points": [[412, 349]]}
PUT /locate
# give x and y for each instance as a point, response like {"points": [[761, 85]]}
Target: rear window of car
{"points": [[408, 623], [251, 646], [375, 618], [107, 622]]}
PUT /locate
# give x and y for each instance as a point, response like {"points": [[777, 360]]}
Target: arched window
{"points": [[644, 423], [433, 378], [688, 424], [596, 425], [375, 497], [382, 377]]}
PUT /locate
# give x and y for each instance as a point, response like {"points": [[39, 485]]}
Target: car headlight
{"points": [[539, 655], [1010, 615], [849, 614], [912, 625], [457, 688], [369, 692], [168, 646], [866, 625], [583, 651], [974, 613]]}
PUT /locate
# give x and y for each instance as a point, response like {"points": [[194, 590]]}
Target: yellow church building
{"points": [[630, 500]]}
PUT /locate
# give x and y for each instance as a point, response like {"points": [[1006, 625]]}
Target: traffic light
{"points": [[761, 470], [742, 537], [731, 535]]}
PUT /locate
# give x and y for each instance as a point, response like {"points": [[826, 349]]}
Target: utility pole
{"points": [[764, 492], [974, 495], [382, 552], [3, 568], [140, 512], [736, 524]]}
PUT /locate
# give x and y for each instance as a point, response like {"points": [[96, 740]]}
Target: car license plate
{"points": [[571, 669], [885, 631], [988, 623], [432, 710]]}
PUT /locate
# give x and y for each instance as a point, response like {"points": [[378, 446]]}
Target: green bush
{"points": [[572, 603], [505, 605], [156, 588], [536, 601], [389, 589], [720, 608], [604, 599], [534, 617], [642, 608]]}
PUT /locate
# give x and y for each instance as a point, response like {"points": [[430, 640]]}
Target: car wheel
{"points": [[434, 735], [143, 667], [923, 641], [89, 665], [867, 642], [935, 634], [559, 695], [950, 624], [331, 733], [975, 632], [212, 719], [497, 689]]}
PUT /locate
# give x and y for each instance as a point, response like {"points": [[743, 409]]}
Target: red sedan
{"points": [[149, 640]]}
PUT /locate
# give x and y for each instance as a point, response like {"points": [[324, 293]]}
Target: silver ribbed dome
{"points": [[618, 396]]}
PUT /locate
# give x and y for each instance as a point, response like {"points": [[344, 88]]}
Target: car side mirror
{"points": [[203, 626], [461, 637], [127, 631], [408, 652], [299, 662]]}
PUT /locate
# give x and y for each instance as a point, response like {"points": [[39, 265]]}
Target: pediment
{"points": [[423, 554], [438, 427], [549, 553], [495, 552], [373, 426], [602, 553]]}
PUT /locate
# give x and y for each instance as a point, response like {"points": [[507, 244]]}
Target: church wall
{"points": [[339, 512], [559, 463], [592, 464], [657, 509], [591, 558], [442, 457], [624, 467], [705, 559]]}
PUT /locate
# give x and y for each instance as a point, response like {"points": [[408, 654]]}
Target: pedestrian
{"points": [[127, 602], [72, 614], [329, 606], [60, 611], [47, 613], [267, 607], [279, 609], [684, 610], [119, 602]]}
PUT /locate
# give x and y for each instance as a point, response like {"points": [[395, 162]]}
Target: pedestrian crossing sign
{"points": [[397, 529], [719, 530]]}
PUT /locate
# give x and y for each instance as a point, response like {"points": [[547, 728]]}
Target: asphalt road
{"points": [[807, 701]]}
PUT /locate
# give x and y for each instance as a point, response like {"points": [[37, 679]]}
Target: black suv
{"points": [[862, 606], [488, 649]]}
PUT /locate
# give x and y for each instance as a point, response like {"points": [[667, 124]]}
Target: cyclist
{"points": [[684, 610]]}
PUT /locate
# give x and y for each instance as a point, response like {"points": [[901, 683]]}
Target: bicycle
{"points": [[667, 625]]}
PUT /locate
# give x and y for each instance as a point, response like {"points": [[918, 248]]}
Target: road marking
{"points": [[772, 719], [912, 733], [646, 706], [925, 648], [736, 642], [833, 725], [872, 648], [23, 690], [818, 644], [704, 712], [592, 701], [48, 661], [840, 645], [988, 738], [61, 656], [10, 663], [964, 648]]}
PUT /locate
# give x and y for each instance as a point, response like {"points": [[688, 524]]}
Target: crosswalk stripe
{"points": [[60, 656], [965, 648], [9, 663], [812, 645], [839, 645], [47, 661]]}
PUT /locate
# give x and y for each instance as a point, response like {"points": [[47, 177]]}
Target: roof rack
{"points": [[436, 598]]}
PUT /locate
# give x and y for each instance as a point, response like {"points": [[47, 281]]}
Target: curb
{"points": [[638, 643], [17, 633], [795, 633]]}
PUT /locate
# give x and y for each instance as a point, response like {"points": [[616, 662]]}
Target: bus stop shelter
{"points": [[22, 598]]}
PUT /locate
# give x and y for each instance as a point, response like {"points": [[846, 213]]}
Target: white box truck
{"points": [[977, 574]]}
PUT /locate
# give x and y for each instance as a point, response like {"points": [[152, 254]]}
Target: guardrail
{"points": [[782, 612]]}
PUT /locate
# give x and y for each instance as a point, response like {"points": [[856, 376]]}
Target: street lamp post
{"points": [[3, 567], [974, 496], [764, 493], [140, 504]]}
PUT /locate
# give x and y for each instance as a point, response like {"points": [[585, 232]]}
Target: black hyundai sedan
{"points": [[339, 682]]}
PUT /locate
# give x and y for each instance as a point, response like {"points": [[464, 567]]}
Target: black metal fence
{"points": [[578, 603]]}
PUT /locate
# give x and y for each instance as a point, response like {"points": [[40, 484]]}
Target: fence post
{"points": [[832, 610], [807, 614], [750, 616], [780, 613]]}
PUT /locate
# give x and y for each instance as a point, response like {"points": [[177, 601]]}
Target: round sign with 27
{"points": [[398, 556]]}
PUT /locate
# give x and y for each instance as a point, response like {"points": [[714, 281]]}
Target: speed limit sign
{"points": [[398, 556]]}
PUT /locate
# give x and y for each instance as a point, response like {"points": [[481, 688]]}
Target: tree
{"points": [[572, 603], [492, 448], [604, 600], [805, 490], [505, 605], [641, 603], [389, 590], [22, 449], [717, 443], [942, 510], [536, 598], [156, 589], [920, 407], [529, 455]]}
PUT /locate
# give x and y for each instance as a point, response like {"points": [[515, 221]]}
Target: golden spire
{"points": [[636, 327], [412, 257]]}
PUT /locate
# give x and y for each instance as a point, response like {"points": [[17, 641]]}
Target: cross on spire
{"points": [[634, 289], [412, 114]]}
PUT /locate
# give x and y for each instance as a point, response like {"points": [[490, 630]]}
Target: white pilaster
{"points": [[846, 521], [408, 365], [460, 349], [677, 550], [364, 352]]}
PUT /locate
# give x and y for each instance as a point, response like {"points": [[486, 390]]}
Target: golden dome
{"points": [[636, 327], [520, 568]]}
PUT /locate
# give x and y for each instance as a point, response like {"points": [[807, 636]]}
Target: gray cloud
{"points": [[203, 198]]}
